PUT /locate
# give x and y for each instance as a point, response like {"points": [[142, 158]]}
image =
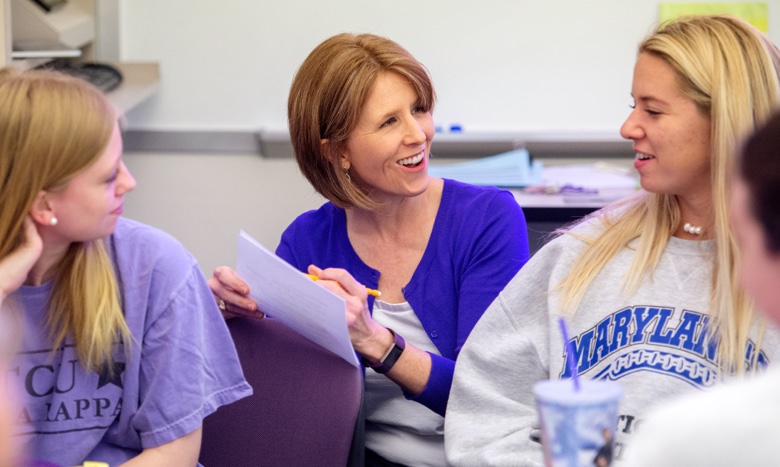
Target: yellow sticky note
{"points": [[755, 13]]}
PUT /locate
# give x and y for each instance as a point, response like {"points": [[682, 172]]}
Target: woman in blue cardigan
{"points": [[438, 250]]}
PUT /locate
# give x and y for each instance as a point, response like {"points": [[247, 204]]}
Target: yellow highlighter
{"points": [[373, 292]]}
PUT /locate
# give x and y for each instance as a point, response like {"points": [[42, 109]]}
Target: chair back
{"points": [[304, 410]]}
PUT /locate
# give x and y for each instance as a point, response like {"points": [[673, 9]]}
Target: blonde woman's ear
{"points": [[41, 211]]}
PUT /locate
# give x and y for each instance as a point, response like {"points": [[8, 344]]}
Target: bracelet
{"points": [[392, 356]]}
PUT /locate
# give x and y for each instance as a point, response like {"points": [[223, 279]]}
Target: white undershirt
{"points": [[398, 429]]}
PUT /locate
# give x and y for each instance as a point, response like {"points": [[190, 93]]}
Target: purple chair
{"points": [[305, 410]]}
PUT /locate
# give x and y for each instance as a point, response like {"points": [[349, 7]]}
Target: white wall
{"points": [[498, 65], [205, 199]]}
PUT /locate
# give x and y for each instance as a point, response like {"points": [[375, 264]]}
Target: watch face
{"points": [[399, 344]]}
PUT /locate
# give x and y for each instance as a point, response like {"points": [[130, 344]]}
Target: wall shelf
{"points": [[96, 39], [276, 144], [139, 82]]}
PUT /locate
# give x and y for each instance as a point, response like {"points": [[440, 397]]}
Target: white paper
{"points": [[286, 294]]}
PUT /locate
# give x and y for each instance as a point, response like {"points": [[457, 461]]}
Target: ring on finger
{"points": [[222, 305]]}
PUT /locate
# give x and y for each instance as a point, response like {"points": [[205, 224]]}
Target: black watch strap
{"points": [[395, 353]]}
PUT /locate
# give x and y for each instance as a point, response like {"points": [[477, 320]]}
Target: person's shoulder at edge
{"points": [[689, 425]]}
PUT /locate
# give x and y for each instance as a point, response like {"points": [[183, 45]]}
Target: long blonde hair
{"points": [[730, 70], [53, 126]]}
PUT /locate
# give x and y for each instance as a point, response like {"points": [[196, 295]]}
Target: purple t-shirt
{"points": [[181, 368]]}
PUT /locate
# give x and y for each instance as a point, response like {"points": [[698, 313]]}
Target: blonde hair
{"points": [[327, 96], [730, 70], [53, 126]]}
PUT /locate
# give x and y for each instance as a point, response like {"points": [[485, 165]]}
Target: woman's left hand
{"points": [[368, 337], [15, 267]]}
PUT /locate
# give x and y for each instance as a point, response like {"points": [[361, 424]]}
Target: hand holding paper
{"points": [[286, 294]]}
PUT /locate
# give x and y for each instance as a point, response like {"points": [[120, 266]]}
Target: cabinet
{"points": [[85, 30]]}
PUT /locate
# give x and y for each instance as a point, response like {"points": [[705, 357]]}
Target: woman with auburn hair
{"points": [[648, 285], [439, 251], [122, 351]]}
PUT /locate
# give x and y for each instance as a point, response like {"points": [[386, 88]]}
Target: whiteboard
{"points": [[497, 65]]}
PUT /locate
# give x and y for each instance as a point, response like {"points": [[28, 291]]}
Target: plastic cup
{"points": [[578, 427]]}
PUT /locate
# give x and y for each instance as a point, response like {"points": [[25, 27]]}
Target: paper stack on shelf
{"points": [[513, 169], [598, 176], [580, 184]]}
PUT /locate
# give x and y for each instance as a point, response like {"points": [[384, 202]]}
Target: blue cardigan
{"points": [[478, 243]]}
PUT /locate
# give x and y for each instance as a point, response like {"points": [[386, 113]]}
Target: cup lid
{"points": [[564, 392]]}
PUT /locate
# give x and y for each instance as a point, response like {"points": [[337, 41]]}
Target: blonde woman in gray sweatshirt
{"points": [[648, 285]]}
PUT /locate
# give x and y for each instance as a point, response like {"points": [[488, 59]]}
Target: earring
{"points": [[53, 221], [346, 174]]}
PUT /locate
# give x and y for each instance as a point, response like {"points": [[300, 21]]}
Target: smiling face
{"points": [[671, 134], [89, 206], [387, 152]]}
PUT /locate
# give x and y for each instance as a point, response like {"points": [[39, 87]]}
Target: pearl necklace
{"points": [[692, 229]]}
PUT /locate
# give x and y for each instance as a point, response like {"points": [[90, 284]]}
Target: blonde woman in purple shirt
{"points": [[121, 350]]}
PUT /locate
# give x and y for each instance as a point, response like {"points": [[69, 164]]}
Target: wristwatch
{"points": [[392, 356]]}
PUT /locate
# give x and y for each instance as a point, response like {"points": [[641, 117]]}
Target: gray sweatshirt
{"points": [[652, 342]]}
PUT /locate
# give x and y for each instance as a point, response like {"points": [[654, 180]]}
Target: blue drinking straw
{"points": [[569, 354]]}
